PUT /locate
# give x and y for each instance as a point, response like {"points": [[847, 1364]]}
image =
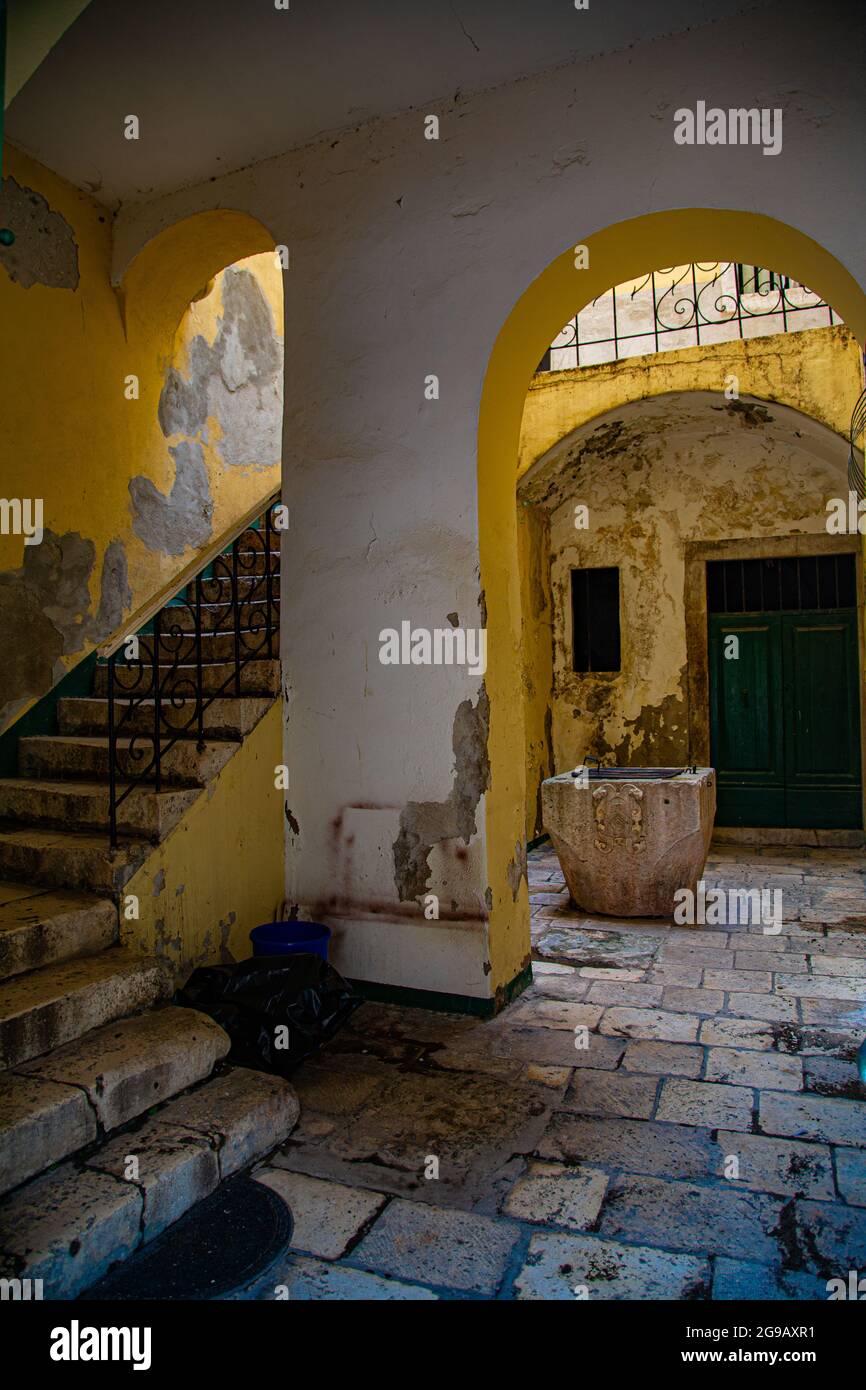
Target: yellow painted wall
{"points": [[220, 871], [700, 492], [68, 433], [817, 371]]}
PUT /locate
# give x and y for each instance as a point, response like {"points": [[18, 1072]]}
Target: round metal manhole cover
{"points": [[219, 1245]]}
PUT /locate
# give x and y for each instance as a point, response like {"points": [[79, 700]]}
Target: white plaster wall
{"points": [[406, 257]]}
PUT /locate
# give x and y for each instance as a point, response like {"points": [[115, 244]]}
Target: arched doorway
{"points": [[618, 253]]}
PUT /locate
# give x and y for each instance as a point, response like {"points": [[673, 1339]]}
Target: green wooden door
{"points": [[785, 719], [822, 719]]}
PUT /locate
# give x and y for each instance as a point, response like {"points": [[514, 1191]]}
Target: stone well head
{"points": [[628, 838]]}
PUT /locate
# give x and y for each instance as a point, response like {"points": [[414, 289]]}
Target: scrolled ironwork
{"points": [[156, 685], [693, 299], [856, 480]]}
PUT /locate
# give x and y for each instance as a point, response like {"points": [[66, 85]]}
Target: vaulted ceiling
{"points": [[221, 84]]}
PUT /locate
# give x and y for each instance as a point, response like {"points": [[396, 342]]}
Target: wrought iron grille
{"points": [[856, 480], [686, 306], [161, 681]]}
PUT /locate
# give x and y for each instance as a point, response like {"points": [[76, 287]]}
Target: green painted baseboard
{"points": [[444, 1003]]}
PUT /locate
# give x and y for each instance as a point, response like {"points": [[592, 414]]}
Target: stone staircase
{"points": [[113, 1121]]}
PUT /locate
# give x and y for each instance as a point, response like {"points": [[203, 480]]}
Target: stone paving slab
{"points": [[685, 1216], [756, 1034], [705, 1103], [851, 1175], [663, 1059], [743, 1067], [804, 1116], [469, 1122], [332, 1091], [548, 1013], [574, 946], [637, 1146], [327, 1215], [552, 1194], [447, 1249], [651, 1024], [767, 1006], [611, 1093], [831, 1239], [556, 1047], [585, 1268], [833, 1076], [739, 1279], [306, 1280], [783, 1166]]}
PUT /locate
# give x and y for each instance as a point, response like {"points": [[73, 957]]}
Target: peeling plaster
{"points": [[231, 401], [183, 518], [48, 597], [44, 251], [238, 381], [656, 475], [424, 824]]}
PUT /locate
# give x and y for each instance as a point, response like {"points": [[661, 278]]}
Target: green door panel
{"points": [[746, 718], [822, 719], [785, 719]]}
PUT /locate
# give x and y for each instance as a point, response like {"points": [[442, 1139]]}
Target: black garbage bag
{"points": [[277, 1010]]}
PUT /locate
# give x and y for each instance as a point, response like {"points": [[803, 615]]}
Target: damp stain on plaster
{"points": [[44, 251], [516, 871], [48, 597], [749, 413], [424, 824]]}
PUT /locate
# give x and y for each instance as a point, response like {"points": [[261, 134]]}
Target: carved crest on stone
{"points": [[619, 818]]}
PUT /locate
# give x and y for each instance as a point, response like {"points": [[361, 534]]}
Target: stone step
{"points": [[52, 1107], [217, 613], [49, 1007], [257, 678], [85, 757], [69, 1226], [224, 718], [68, 859], [251, 586], [39, 927], [180, 646], [145, 812]]}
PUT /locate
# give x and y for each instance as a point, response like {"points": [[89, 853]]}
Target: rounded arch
{"points": [[620, 252], [175, 267]]}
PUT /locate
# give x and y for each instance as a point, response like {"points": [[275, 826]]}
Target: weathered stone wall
{"points": [[654, 476], [817, 372]]}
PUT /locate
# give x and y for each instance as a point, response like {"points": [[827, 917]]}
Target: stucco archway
{"points": [[616, 254]]}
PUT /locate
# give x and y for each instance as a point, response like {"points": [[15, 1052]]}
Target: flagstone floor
{"points": [[666, 1113]]}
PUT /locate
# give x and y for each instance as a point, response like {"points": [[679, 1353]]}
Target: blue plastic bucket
{"points": [[290, 938]]}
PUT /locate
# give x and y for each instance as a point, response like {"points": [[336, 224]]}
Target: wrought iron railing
{"points": [[856, 480], [161, 682], [685, 306]]}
